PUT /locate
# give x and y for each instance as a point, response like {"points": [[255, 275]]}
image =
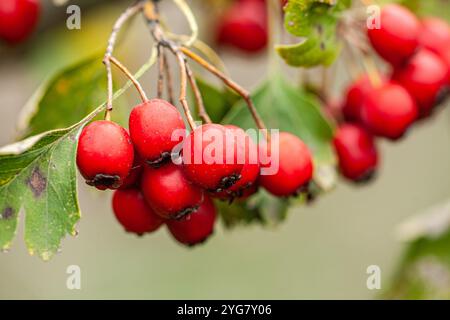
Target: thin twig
{"points": [[230, 83], [127, 14], [161, 64], [169, 80], [131, 77], [202, 113]]}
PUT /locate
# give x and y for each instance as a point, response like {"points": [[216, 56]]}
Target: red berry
{"points": [[397, 38], [295, 166], [389, 110], [424, 77], [105, 154], [132, 180], [211, 157], [244, 26], [357, 152], [152, 125], [250, 170], [18, 19], [133, 213], [196, 227], [355, 98], [434, 34], [169, 193]]}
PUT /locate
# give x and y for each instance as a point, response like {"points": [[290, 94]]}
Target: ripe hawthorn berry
{"points": [[397, 38], [196, 227], [357, 152], [133, 213], [354, 99], [295, 166], [244, 26], [18, 19], [388, 111], [250, 170], [211, 157], [105, 154], [152, 125], [135, 174], [424, 76], [434, 35], [169, 193]]}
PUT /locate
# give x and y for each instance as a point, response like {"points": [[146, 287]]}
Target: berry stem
{"points": [[123, 18], [203, 114], [136, 83], [230, 83]]}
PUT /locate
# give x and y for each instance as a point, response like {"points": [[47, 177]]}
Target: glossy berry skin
{"points": [[434, 35], [423, 76], [388, 111], [295, 167], [133, 213], [250, 170], [397, 38], [244, 26], [355, 97], [134, 176], [211, 157], [105, 154], [152, 125], [356, 151], [196, 227], [18, 19], [169, 193]]}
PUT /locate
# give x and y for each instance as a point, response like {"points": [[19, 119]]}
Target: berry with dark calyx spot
{"points": [[295, 166], [133, 213], [388, 111], [196, 227], [355, 98], [18, 19], [105, 154], [169, 193], [133, 178], [211, 157], [156, 127], [356, 151], [397, 38], [244, 26], [250, 170], [434, 34], [424, 76]]}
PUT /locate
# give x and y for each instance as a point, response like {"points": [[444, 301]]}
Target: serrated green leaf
{"points": [[68, 97], [315, 22]]}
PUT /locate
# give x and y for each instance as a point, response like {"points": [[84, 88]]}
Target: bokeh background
{"points": [[320, 252]]}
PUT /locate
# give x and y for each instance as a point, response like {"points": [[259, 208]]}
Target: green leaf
{"points": [[217, 101], [424, 272], [315, 22], [67, 98]]}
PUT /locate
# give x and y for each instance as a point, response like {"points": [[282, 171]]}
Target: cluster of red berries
{"points": [[419, 55], [18, 19], [245, 25], [215, 161]]}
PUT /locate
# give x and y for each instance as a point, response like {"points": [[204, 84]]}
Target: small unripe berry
{"points": [[18, 19], [105, 154], [397, 38], [196, 227], [244, 26], [152, 126], [133, 213], [388, 111], [211, 157], [356, 151], [295, 168], [424, 76], [169, 193]]}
